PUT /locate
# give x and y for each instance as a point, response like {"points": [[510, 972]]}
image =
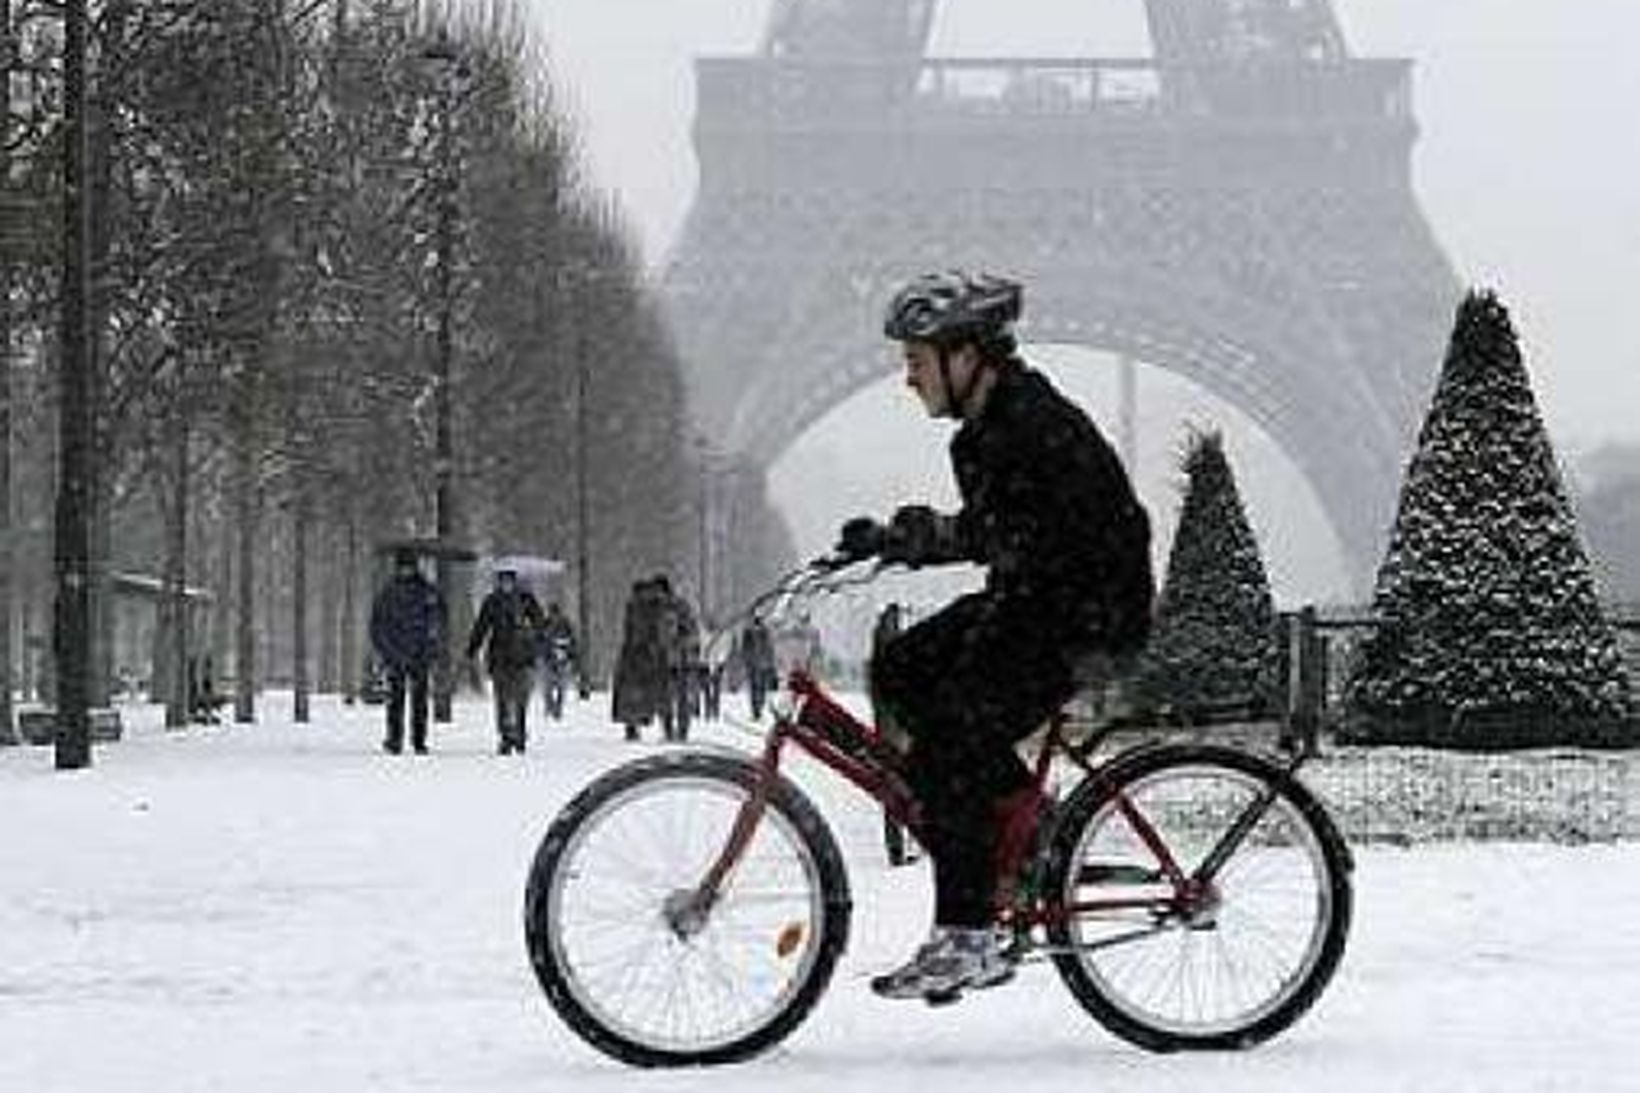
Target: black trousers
{"points": [[415, 680], [966, 684], [511, 685]]}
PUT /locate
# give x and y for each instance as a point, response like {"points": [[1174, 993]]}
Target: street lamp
{"points": [[442, 51]]}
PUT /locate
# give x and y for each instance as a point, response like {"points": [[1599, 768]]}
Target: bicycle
{"points": [[689, 908]]}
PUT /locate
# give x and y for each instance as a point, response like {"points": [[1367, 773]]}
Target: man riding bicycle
{"points": [[1049, 510]]}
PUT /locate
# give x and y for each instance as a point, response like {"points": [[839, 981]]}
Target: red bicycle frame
{"points": [[820, 726]]}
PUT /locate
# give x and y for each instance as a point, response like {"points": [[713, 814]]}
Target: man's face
{"points": [[506, 582], [923, 375]]}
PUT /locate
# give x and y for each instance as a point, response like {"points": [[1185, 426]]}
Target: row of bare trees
{"points": [[290, 199]]}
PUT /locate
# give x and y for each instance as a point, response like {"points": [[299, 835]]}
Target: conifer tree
{"points": [[1214, 639], [1490, 633]]}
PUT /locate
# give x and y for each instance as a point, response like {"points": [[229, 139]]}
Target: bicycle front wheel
{"points": [[1203, 957], [606, 939]]}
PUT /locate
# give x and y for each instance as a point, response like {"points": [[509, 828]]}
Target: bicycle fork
{"points": [[687, 910]]}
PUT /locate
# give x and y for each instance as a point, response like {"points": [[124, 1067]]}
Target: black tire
{"points": [[796, 820], [1319, 944]]}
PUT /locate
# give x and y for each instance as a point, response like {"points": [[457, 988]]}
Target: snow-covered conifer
{"points": [[1213, 641], [1490, 632]]}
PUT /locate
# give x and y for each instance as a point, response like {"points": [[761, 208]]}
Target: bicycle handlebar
{"points": [[816, 577]]}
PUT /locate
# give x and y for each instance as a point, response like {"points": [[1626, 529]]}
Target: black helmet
{"points": [[953, 306]]}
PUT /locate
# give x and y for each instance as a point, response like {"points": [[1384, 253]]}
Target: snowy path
{"points": [[284, 908]]}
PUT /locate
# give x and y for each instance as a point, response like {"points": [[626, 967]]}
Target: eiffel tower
{"points": [[1236, 210]]}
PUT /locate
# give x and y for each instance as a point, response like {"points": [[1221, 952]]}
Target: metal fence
{"points": [[1410, 795], [1407, 795], [1320, 650], [1403, 795]]}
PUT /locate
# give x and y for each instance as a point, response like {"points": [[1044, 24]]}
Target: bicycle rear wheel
{"points": [[1225, 964], [605, 940]]}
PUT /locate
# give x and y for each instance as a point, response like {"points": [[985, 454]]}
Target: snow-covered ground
{"points": [[281, 907]]}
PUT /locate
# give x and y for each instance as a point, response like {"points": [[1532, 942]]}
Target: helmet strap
{"points": [[949, 410], [956, 404]]}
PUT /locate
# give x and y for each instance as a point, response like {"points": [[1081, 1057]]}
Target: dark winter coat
{"points": [[1048, 508], [407, 623], [649, 643], [685, 635], [511, 623], [757, 655]]}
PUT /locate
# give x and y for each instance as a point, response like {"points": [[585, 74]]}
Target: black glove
{"points": [[861, 537], [912, 535]]}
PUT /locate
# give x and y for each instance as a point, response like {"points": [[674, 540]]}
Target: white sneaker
{"points": [[952, 960]]}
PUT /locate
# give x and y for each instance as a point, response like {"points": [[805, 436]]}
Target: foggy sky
{"points": [[1525, 167]]}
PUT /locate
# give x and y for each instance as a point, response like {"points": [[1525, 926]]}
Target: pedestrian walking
{"points": [[756, 655], [682, 643], [507, 628], [643, 669], [407, 629], [560, 657]]}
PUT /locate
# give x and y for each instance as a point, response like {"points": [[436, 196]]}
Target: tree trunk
{"points": [[350, 612], [100, 671], [8, 549], [299, 598], [160, 669], [330, 614], [222, 584], [175, 600], [71, 633], [100, 668], [245, 521]]}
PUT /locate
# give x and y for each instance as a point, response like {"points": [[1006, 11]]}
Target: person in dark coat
{"points": [[756, 653], [507, 627], [407, 628], [711, 675], [1048, 509], [643, 670], [683, 645], [559, 657]]}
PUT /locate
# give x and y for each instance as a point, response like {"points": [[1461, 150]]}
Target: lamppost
{"points": [[443, 52]]}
